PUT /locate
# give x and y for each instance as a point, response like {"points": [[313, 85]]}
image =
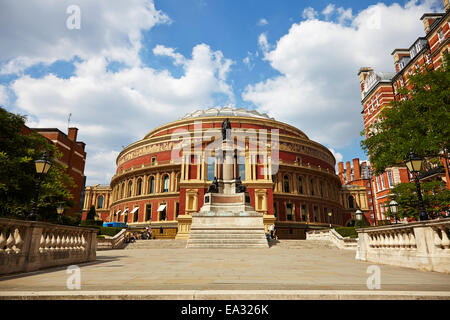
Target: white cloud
{"points": [[35, 31], [112, 109], [160, 50], [329, 9], [344, 15], [263, 43], [4, 98], [318, 89], [262, 22], [309, 13]]}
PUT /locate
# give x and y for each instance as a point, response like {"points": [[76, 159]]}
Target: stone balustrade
{"points": [[420, 245], [334, 237], [115, 242], [29, 245]]}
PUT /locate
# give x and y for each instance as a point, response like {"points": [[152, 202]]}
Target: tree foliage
{"points": [[436, 199], [18, 177], [419, 122]]}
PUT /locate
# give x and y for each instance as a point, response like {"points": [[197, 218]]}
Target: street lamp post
{"points": [[42, 166], [358, 215], [414, 165], [394, 209], [60, 211], [329, 218]]}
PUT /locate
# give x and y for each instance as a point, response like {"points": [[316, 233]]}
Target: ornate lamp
{"points": [[42, 166], [60, 211], [414, 165], [329, 218], [358, 215], [394, 209]]}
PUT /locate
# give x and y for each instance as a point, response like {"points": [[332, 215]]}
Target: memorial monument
{"points": [[227, 219]]}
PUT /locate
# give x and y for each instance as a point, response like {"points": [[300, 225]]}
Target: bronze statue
{"points": [[239, 186], [214, 187], [226, 129]]}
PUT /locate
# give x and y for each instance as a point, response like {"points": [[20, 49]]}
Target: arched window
{"points": [[151, 185], [351, 203], [166, 183], [148, 212], [100, 202], [286, 184], [130, 188], [139, 187], [312, 187], [122, 192], [300, 185]]}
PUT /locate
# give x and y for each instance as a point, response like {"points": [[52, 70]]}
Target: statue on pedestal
{"points": [[239, 186], [214, 187], [226, 129]]}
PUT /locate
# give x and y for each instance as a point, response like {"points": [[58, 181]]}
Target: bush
{"points": [[347, 232], [109, 231]]}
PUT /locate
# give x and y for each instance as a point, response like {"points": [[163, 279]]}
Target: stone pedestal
{"points": [[227, 221]]}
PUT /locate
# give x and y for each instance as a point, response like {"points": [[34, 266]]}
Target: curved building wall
{"points": [[151, 187]]}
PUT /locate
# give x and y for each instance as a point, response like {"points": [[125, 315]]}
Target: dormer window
{"points": [[412, 52]]}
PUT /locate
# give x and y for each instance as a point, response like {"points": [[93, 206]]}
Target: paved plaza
{"points": [[286, 265]]}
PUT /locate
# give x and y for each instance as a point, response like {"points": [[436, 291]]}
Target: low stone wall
{"points": [[334, 237], [115, 242], [419, 245], [30, 245]]}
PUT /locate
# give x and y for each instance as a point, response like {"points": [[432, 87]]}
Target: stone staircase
{"points": [[231, 237], [156, 244]]}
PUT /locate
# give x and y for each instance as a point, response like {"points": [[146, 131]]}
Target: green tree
{"points": [[18, 178], [419, 122], [436, 199]]}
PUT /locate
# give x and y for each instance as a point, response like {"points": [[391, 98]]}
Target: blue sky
{"points": [[137, 64]]}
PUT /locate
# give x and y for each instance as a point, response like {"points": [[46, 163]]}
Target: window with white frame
{"points": [[390, 179], [382, 182], [441, 35], [378, 183]]}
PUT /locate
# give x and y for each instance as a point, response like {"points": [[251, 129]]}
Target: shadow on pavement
{"points": [[98, 260]]}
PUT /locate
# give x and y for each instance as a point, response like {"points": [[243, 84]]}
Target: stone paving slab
{"points": [[292, 266], [226, 295]]}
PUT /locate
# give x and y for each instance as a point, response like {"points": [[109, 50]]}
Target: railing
{"points": [[115, 242], [420, 245], [27, 246], [334, 237]]}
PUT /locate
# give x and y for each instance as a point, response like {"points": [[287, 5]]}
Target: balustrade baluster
{"points": [[47, 243], [9, 243], [42, 244], [399, 240], [2, 241], [412, 239], [445, 243], [437, 238], [58, 243], [18, 242]]}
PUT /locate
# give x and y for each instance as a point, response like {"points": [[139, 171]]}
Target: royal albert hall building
{"points": [[151, 187]]}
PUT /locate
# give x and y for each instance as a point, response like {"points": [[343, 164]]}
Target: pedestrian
{"points": [[272, 231]]}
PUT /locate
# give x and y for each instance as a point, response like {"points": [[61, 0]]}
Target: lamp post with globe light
{"points": [[414, 165], [60, 211], [394, 209], [42, 166]]}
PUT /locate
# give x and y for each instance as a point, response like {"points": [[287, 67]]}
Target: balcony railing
{"points": [[421, 245], [28, 245]]}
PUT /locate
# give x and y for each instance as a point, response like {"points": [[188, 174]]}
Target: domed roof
{"points": [[226, 111]]}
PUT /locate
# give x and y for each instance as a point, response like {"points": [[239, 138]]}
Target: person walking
{"points": [[272, 231]]}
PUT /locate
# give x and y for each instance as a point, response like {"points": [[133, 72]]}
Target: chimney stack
{"points": [[356, 169], [72, 135], [349, 171]]}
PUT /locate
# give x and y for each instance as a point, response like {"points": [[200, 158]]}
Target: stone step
{"points": [[227, 245], [225, 230], [224, 236], [191, 241]]}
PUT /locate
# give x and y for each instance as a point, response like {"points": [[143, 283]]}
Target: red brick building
{"points": [[378, 89], [74, 159]]}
